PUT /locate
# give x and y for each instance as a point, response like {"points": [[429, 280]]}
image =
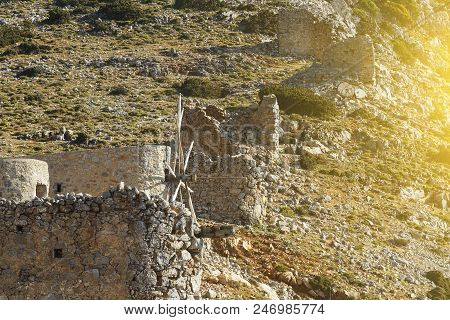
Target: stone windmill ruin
{"points": [[176, 180]]}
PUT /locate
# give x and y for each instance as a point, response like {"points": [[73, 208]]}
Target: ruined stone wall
{"points": [[257, 125], [228, 189], [355, 57], [300, 34], [23, 179], [310, 26], [228, 186], [93, 171], [123, 245]]}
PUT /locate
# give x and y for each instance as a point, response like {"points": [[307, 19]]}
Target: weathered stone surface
{"points": [[228, 184], [311, 26], [23, 179], [350, 60], [106, 167], [354, 56], [117, 251]]}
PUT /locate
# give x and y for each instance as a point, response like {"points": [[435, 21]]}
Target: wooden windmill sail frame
{"points": [[177, 174]]}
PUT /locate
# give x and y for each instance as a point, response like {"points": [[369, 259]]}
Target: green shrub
{"points": [[361, 113], [401, 12], [119, 91], [396, 13], [31, 47], [121, 10], [287, 212], [79, 6], [281, 268], [301, 210], [76, 3], [202, 5], [202, 88], [28, 47], [102, 27], [13, 34], [57, 16], [264, 22], [369, 6], [323, 284], [404, 51], [442, 290], [403, 216], [309, 161], [31, 72], [409, 52], [301, 101], [367, 23], [411, 5], [34, 97]]}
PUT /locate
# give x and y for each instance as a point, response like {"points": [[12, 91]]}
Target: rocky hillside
{"points": [[358, 195]]}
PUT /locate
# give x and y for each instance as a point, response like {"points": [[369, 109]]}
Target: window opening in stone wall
{"points": [[41, 190], [57, 253], [59, 187]]}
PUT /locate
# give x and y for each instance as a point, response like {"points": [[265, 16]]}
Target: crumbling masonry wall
{"points": [[227, 189], [354, 57], [93, 171], [123, 245], [257, 125], [308, 28], [23, 179], [228, 185]]}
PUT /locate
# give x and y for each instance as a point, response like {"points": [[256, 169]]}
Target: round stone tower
{"points": [[23, 179]]}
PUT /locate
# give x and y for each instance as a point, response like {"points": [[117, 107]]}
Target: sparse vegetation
{"points": [[396, 13], [281, 268], [323, 284], [301, 101], [367, 22], [204, 5], [442, 290], [287, 212], [404, 51], [369, 5], [403, 216]]}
